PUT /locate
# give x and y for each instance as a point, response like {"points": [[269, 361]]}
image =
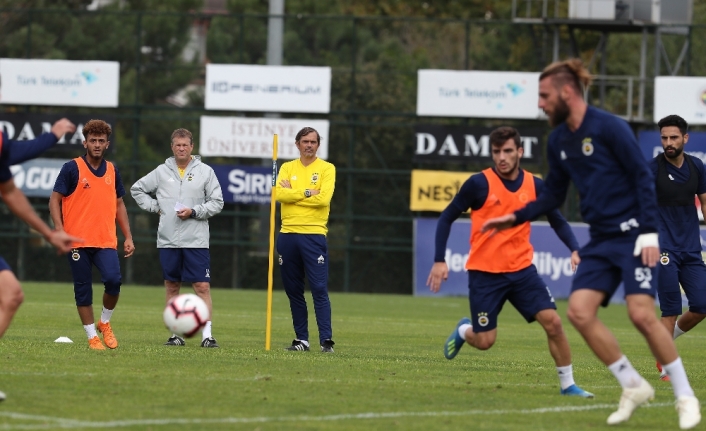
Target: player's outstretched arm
{"points": [[439, 272], [20, 206], [499, 223]]}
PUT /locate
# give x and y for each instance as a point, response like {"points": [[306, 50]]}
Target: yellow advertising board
{"points": [[433, 190]]}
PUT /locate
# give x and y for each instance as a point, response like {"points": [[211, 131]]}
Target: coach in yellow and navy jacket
{"points": [[304, 188]]}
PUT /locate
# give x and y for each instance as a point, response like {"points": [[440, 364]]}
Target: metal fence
{"points": [[374, 62]]}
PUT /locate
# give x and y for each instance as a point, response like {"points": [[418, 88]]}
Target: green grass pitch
{"points": [[388, 372]]}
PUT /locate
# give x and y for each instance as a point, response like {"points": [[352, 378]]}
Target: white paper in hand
{"points": [[63, 340], [179, 206]]}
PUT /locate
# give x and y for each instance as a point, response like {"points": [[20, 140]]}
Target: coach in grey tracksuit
{"points": [[185, 193]]}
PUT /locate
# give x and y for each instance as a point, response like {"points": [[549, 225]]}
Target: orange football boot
{"points": [[108, 336], [95, 344]]}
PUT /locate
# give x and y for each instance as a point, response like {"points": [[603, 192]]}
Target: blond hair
{"points": [[182, 133], [571, 72]]}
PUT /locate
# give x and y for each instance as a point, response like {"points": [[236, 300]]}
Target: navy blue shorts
{"points": [[192, 265], [605, 263], [81, 261], [687, 269], [487, 293], [4, 265]]}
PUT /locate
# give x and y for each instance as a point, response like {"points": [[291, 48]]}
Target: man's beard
{"points": [[560, 114], [677, 153]]}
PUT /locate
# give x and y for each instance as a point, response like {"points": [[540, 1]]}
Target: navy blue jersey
{"points": [[67, 180], [14, 152], [679, 225], [614, 182], [473, 194]]}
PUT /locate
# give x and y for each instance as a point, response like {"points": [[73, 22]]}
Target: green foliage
{"points": [[388, 370]]}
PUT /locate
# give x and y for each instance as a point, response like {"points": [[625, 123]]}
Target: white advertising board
{"points": [[454, 93], [681, 95], [252, 137], [238, 87], [60, 82]]}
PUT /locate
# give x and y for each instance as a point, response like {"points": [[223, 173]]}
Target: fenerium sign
{"points": [[463, 143]]}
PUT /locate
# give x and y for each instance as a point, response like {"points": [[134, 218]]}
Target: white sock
{"points": [[566, 376], [90, 330], [677, 375], [623, 370], [677, 331], [206, 331], [304, 342], [462, 330], [106, 315]]}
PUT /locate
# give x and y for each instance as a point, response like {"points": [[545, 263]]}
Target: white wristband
{"points": [[645, 240]]}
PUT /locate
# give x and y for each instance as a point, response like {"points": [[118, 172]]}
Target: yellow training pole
{"points": [[270, 273]]}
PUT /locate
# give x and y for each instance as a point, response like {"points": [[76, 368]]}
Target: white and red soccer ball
{"points": [[186, 314]]}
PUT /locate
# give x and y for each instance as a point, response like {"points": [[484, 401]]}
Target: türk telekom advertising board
{"points": [[252, 137], [60, 82], [240, 87], [478, 94]]}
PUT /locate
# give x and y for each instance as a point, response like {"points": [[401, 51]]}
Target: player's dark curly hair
{"points": [[571, 71], [676, 121], [305, 131], [97, 127], [499, 136]]}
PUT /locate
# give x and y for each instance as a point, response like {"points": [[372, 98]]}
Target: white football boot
{"points": [[689, 412], [631, 399]]}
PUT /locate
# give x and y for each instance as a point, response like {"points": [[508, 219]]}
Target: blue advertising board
{"points": [[245, 184], [551, 257], [650, 144]]}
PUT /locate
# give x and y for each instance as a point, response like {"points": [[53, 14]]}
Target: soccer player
{"points": [[187, 194], [493, 280], [599, 153], [305, 187], [11, 152], [679, 177], [86, 201]]}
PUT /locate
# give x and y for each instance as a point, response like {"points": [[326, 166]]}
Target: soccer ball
{"points": [[186, 314]]}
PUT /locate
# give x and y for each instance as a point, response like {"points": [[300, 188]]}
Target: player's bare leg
{"points": [[583, 314], [558, 344], [172, 291], [203, 290], [172, 288], [561, 352], [686, 322], [11, 297]]}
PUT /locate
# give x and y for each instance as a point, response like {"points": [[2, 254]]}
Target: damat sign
{"points": [[461, 143], [245, 184], [24, 127]]}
